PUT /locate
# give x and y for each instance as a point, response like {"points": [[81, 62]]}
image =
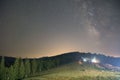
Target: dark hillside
{"points": [[72, 57]]}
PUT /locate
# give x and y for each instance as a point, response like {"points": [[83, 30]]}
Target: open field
{"points": [[76, 71]]}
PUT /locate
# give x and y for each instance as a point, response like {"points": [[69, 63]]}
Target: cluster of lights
{"points": [[93, 60]]}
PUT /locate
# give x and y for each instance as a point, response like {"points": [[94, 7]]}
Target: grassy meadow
{"points": [[75, 71]]}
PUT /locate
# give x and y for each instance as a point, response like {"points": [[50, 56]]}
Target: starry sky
{"points": [[37, 28]]}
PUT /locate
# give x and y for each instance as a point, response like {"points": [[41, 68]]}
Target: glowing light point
{"points": [[85, 60], [94, 60]]}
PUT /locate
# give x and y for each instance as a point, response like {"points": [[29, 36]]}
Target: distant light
{"points": [[85, 60], [94, 60]]}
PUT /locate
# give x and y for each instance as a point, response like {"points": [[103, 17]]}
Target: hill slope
{"points": [[72, 57], [75, 71]]}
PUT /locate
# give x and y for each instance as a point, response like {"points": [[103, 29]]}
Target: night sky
{"points": [[37, 28]]}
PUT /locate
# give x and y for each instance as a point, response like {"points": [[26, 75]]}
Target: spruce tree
{"points": [[50, 64], [40, 66], [56, 62], [7, 73], [22, 70], [27, 68], [2, 70], [16, 68], [34, 66], [11, 73]]}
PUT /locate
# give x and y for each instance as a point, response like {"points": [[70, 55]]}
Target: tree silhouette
{"points": [[2, 70], [11, 73], [16, 68], [27, 68], [22, 69], [34, 66], [40, 66]]}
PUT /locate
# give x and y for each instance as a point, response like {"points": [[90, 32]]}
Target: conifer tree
{"points": [[7, 73], [57, 62], [21, 70], [40, 66], [2, 69], [11, 73], [34, 66], [16, 68], [27, 68], [48, 64]]}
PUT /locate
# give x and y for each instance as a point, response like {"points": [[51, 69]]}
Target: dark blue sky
{"points": [[35, 28]]}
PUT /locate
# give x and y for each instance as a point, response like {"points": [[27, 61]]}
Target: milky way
{"points": [[35, 28]]}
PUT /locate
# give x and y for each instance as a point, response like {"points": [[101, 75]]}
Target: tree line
{"points": [[25, 68], [22, 68]]}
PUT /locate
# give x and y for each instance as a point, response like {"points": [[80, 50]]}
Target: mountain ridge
{"points": [[69, 57]]}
